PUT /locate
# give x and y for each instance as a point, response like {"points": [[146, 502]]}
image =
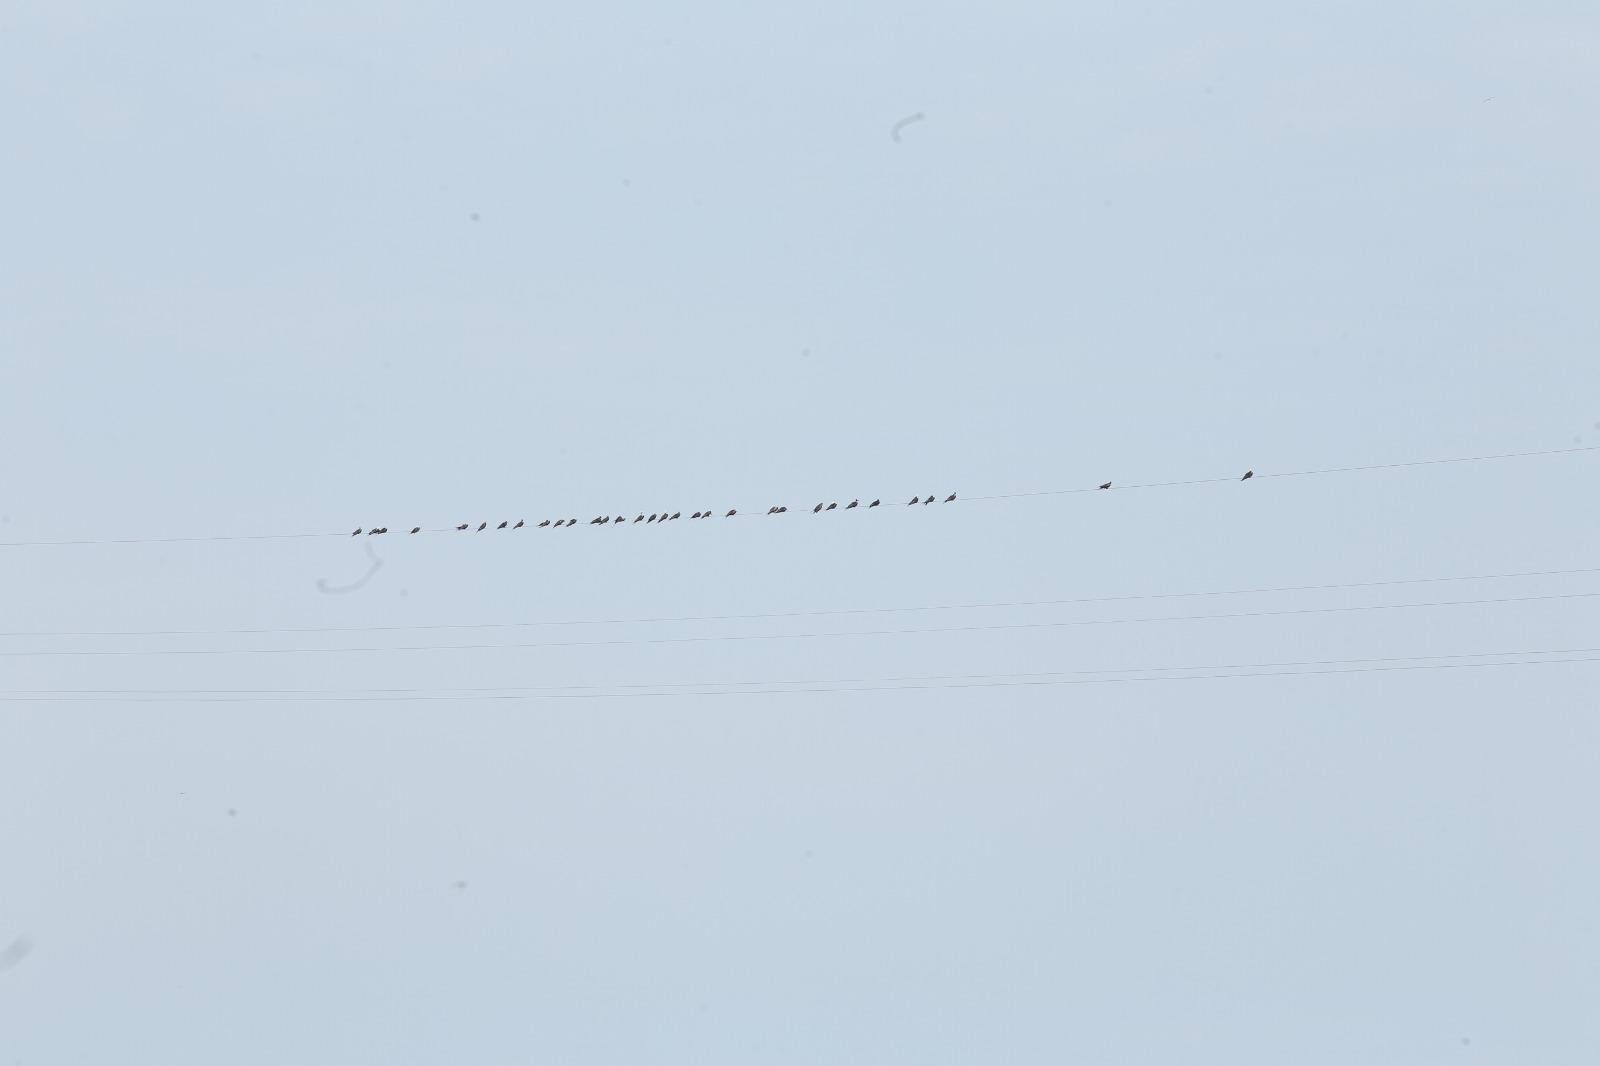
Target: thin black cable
{"points": [[804, 636], [834, 612], [806, 691], [446, 689], [401, 529]]}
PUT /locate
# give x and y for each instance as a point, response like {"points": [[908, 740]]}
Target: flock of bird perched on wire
{"points": [[619, 520]]}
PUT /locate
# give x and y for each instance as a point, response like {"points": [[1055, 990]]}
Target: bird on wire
{"points": [[519, 524], [852, 505], [914, 501], [619, 520], [833, 506], [1248, 474], [652, 518], [418, 529], [461, 528], [544, 524], [817, 509], [950, 498], [357, 533], [483, 527], [928, 500], [675, 516], [875, 503], [695, 515], [504, 524], [1107, 485], [731, 513], [639, 519]]}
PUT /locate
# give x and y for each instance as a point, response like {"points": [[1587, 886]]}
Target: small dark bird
{"points": [[950, 498], [518, 525], [546, 522], [417, 529], [385, 529], [695, 515], [594, 521], [619, 520], [852, 505], [928, 500], [731, 513], [652, 518], [461, 527], [639, 519], [1248, 474], [483, 526], [817, 509], [705, 514], [571, 522], [783, 510], [875, 503], [372, 531], [770, 510], [504, 524], [675, 516], [833, 506], [357, 533], [1107, 485], [914, 501]]}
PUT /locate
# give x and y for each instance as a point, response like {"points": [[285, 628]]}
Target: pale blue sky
{"points": [[242, 289]]}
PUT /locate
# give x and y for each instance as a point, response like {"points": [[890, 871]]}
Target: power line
{"points": [[653, 685], [832, 612], [807, 636], [890, 503], [1042, 683]]}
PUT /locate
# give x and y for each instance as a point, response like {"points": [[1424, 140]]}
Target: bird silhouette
{"points": [[416, 529], [695, 515], [675, 516], [371, 531], [731, 513], [571, 522], [1248, 474], [545, 523], [783, 510], [1107, 485], [950, 498], [852, 504], [928, 499], [594, 521], [504, 524], [357, 533], [914, 500], [875, 503], [483, 527], [518, 525], [639, 519], [817, 509], [619, 520], [770, 510], [461, 527], [833, 506], [652, 518]]}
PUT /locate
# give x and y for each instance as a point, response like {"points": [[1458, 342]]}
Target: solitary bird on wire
{"points": [[461, 528], [950, 498], [1248, 474], [1107, 485], [875, 503], [357, 533], [483, 527], [731, 513], [817, 509], [852, 505], [416, 529], [504, 524]]}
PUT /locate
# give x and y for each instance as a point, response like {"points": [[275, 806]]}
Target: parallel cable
{"points": [[1294, 612], [826, 613], [1053, 682], [890, 503]]}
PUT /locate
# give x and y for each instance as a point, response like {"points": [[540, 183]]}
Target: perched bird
{"points": [[461, 527], [833, 506], [571, 522], [652, 518], [770, 510], [595, 520], [875, 503], [928, 500], [852, 504], [817, 509], [914, 500], [418, 529], [619, 520], [605, 520], [483, 527], [545, 523], [639, 519], [371, 531], [357, 533], [695, 515], [504, 524], [1248, 474], [950, 498], [731, 513], [1107, 485], [675, 516], [518, 525], [783, 510]]}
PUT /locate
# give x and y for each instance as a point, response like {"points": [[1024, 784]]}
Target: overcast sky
{"points": [[307, 267]]}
